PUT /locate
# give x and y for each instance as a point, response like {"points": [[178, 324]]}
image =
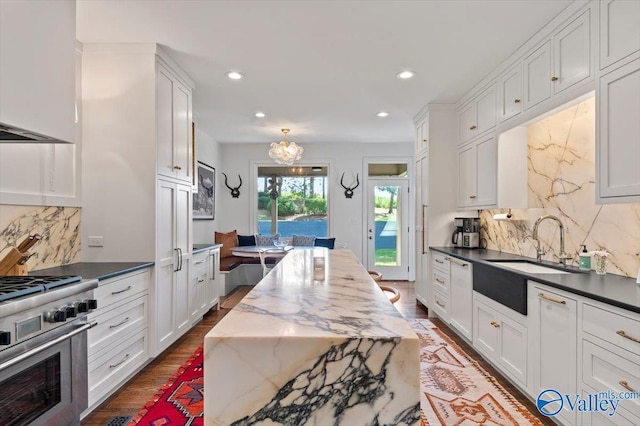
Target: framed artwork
{"points": [[204, 201]]}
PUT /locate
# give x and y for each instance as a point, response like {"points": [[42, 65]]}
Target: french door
{"points": [[388, 228]]}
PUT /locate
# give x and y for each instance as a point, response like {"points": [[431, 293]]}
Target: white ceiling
{"points": [[322, 68]]}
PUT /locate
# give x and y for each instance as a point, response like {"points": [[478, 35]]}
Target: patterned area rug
{"points": [[455, 390]]}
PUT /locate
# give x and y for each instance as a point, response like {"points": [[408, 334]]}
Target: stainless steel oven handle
{"points": [[47, 345]]}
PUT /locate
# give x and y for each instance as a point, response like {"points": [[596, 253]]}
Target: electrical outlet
{"points": [[96, 241]]}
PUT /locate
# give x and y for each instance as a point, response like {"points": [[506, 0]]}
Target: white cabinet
{"points": [[172, 317], [618, 135], [537, 76], [440, 269], [174, 126], [422, 240], [619, 30], [421, 142], [117, 346], [477, 173], [501, 335], [553, 316], [37, 66], [510, 93], [478, 116], [203, 290], [461, 297], [572, 53]]}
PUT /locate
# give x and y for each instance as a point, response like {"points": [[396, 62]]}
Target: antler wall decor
{"points": [[235, 192], [348, 192]]}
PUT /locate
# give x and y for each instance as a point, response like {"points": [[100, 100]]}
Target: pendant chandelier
{"points": [[285, 152]]}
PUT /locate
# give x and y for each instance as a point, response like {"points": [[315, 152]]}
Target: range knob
{"points": [[5, 337], [56, 315], [72, 311], [82, 306], [93, 304]]}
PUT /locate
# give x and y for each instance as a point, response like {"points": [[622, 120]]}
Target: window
{"points": [[293, 200]]}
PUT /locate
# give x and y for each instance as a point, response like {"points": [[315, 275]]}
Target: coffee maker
{"points": [[467, 232]]}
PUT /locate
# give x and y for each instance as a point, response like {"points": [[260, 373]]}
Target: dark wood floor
{"points": [[134, 394]]}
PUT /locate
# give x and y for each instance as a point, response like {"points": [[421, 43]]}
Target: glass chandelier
{"points": [[285, 152]]}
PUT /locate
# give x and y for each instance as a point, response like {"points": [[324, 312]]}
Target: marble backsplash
{"points": [[561, 182], [59, 228]]}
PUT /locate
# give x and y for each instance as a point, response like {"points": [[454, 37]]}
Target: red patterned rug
{"points": [[179, 401], [455, 390]]}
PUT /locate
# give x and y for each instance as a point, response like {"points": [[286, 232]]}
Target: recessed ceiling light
{"points": [[260, 114], [404, 75], [382, 114], [235, 75]]}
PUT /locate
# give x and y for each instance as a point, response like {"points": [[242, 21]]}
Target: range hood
{"points": [[12, 134]]}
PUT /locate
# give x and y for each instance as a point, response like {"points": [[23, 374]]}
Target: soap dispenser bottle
{"points": [[584, 261]]}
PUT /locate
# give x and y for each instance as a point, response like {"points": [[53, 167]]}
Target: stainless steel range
{"points": [[43, 349]]}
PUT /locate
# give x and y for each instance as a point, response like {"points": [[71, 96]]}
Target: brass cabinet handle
{"points": [[495, 324], [554, 78], [517, 101], [473, 127], [438, 261], [626, 336], [424, 141], [440, 281], [201, 280], [120, 323], [198, 262], [552, 299], [457, 262], [472, 197], [439, 304], [113, 293], [119, 362], [424, 248], [177, 167], [625, 385]]}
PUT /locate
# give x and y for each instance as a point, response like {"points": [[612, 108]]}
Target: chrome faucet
{"points": [[562, 256]]}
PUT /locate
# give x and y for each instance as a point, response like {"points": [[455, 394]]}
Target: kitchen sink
{"points": [[531, 268]]}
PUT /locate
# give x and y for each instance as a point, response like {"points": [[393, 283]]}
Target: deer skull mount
{"points": [[235, 192], [348, 192], [275, 185]]}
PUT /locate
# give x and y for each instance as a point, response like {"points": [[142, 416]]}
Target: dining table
{"points": [[254, 251]]}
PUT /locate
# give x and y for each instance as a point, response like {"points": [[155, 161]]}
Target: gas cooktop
{"points": [[12, 287]]}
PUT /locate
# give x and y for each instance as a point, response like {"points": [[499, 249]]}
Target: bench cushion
{"points": [[230, 262], [325, 242], [246, 240]]}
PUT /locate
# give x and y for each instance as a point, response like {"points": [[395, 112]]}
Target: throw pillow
{"points": [[246, 240], [302, 240], [228, 240], [266, 240], [325, 242]]}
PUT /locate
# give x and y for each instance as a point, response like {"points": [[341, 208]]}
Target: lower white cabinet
{"points": [[461, 296], [501, 335], [439, 278], [203, 290], [117, 346], [553, 316]]}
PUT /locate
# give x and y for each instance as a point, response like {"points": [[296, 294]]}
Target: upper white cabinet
{"points": [[477, 173], [422, 135], [478, 116], [619, 30], [510, 93], [537, 76], [618, 136], [37, 66], [174, 126], [572, 53]]}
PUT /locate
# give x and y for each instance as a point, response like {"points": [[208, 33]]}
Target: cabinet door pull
{"points": [[516, 101], [625, 385], [177, 167], [113, 293], [439, 280], [626, 336], [439, 261], [458, 262], [495, 324], [198, 262], [552, 299], [201, 280], [473, 127], [472, 197], [439, 304], [120, 323], [119, 362], [554, 78]]}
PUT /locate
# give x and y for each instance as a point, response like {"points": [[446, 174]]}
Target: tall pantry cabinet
{"points": [[137, 175]]}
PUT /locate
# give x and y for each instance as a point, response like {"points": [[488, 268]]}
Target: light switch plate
{"points": [[96, 241]]}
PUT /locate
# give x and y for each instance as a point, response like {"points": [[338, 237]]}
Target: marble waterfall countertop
{"points": [[311, 346]]}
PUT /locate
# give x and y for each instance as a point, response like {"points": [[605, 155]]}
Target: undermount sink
{"points": [[531, 268]]}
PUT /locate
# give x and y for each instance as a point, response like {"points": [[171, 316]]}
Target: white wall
{"points": [[208, 151], [346, 215]]}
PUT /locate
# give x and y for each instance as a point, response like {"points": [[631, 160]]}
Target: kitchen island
{"points": [[315, 342]]}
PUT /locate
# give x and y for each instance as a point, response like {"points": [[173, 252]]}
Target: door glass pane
{"points": [[387, 214]]}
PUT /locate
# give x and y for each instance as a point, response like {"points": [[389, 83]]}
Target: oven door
{"points": [[43, 381]]}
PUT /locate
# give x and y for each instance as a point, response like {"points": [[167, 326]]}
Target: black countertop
{"points": [[90, 270], [613, 289], [197, 248]]}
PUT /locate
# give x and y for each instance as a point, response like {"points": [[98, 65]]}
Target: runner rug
{"points": [[455, 390]]}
